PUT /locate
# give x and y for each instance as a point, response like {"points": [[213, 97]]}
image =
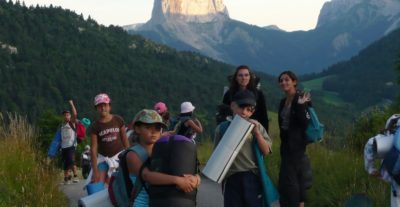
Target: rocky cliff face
{"points": [[197, 11], [358, 11]]}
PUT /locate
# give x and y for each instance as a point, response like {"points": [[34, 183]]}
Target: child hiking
{"points": [[148, 125], [187, 125], [242, 185], [69, 143], [108, 139]]}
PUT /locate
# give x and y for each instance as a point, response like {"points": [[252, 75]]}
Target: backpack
{"points": [[315, 129], [80, 131], [120, 189]]}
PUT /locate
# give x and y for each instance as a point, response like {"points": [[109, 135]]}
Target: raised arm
{"points": [[74, 113]]}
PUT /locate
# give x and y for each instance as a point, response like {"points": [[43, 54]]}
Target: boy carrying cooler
{"points": [[242, 185]]}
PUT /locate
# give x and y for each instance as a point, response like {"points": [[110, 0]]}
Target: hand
{"points": [[305, 98], [184, 183], [194, 180], [255, 128], [71, 102], [376, 173]]}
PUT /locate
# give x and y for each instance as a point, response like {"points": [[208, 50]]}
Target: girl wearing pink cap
{"points": [[162, 109], [108, 139]]}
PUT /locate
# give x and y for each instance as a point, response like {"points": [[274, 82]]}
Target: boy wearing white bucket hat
{"points": [[188, 126], [376, 148]]}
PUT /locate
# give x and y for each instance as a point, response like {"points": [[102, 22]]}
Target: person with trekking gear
{"points": [[85, 162], [108, 139], [242, 79], [69, 143], [293, 119], [148, 125], [242, 185], [382, 147], [187, 125]]}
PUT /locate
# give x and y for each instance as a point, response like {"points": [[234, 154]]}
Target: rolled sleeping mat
{"points": [[382, 144], [94, 187], [226, 151], [55, 144], [99, 199], [173, 155]]}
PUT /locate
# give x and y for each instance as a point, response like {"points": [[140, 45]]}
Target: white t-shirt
{"points": [[68, 136]]}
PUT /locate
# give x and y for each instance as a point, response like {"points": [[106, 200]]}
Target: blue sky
{"points": [[289, 15]]}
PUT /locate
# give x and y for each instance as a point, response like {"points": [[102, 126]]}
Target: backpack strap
{"points": [[137, 186]]}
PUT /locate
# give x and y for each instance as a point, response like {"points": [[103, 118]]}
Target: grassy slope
{"points": [[328, 96], [337, 174], [25, 178]]}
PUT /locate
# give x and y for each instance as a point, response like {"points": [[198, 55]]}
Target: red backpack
{"points": [[80, 131]]}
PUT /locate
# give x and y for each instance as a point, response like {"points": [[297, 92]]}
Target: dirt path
{"points": [[209, 194]]}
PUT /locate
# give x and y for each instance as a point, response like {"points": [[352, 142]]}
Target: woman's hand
{"points": [[305, 98]]}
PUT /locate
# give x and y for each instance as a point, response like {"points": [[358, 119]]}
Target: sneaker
{"points": [[75, 180], [67, 182]]}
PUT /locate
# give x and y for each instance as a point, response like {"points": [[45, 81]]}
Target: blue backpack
{"points": [[121, 190], [315, 129]]}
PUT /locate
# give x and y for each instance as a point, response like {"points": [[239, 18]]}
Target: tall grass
{"points": [[25, 179], [337, 174]]}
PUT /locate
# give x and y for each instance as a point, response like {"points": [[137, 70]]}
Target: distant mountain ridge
{"points": [[344, 28]]}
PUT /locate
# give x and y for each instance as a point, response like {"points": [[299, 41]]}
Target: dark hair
{"points": [[290, 74], [165, 116], [186, 114], [234, 86]]}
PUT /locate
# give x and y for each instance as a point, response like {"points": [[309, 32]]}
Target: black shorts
{"points": [[68, 157]]}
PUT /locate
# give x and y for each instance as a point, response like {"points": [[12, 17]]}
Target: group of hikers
{"points": [[241, 186]]}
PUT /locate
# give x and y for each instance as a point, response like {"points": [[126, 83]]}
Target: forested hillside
{"points": [[368, 78], [49, 55]]}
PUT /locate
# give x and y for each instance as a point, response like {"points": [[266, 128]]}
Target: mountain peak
{"points": [[358, 11], [198, 11]]}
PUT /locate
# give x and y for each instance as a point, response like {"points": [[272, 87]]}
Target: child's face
{"points": [[149, 133], [67, 117], [103, 109], [243, 111]]}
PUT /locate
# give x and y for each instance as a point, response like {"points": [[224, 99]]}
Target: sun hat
{"points": [[148, 116], [101, 98], [187, 107], [160, 107], [244, 97]]}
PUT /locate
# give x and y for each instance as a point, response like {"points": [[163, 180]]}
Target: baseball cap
{"points": [[244, 97], [101, 98], [160, 107], [65, 111], [148, 116], [187, 107]]}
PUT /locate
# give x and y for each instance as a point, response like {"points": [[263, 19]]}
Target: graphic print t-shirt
{"points": [[109, 136]]}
